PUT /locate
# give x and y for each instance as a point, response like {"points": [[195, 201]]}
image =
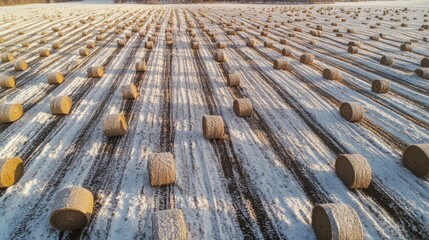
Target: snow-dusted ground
{"points": [[263, 180]]}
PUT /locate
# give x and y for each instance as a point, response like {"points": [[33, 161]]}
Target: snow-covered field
{"points": [[272, 168]]}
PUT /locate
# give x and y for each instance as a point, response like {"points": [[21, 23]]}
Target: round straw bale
{"points": [[25, 44], [127, 34], [195, 44], [280, 64], [213, 127], [44, 52], [220, 56], [141, 66], [353, 170], [20, 65], [352, 111], [380, 86], [149, 45], [60, 33], [283, 41], [162, 170], [99, 37], [251, 42], [129, 91], [114, 125], [95, 72], [286, 51], [416, 159], [406, 47], [84, 52], [73, 208], [43, 41], [312, 42], [264, 33], [374, 38], [352, 49], [339, 35], [243, 107], [85, 33], [121, 42], [90, 44], [61, 105], [332, 74], [307, 58], [221, 45], [7, 57], [10, 112], [7, 81], [55, 78], [422, 72], [11, 170], [233, 80], [268, 44], [168, 224], [1, 40], [386, 60], [424, 62], [336, 221], [57, 45], [355, 44]]}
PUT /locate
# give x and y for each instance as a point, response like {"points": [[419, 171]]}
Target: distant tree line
{"points": [[19, 2]]}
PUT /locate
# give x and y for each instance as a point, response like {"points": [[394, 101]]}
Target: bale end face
{"points": [[61, 105], [11, 112], [353, 170], [213, 127], [424, 62], [352, 111], [243, 107], [162, 170], [416, 159], [115, 125], [73, 208], [11, 170], [168, 224], [336, 221]]}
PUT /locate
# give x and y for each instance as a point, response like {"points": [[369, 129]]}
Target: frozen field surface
{"points": [[263, 178]]}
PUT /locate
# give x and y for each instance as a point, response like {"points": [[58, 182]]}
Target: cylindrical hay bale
{"points": [[61, 105], [55, 78], [57, 45], [352, 111], [352, 49], [162, 170], [213, 127], [115, 125], [121, 42], [90, 44], [10, 112], [386, 60], [380, 86], [168, 224], [331, 74], [355, 44], [307, 58], [374, 38], [220, 56], [11, 170], [20, 65], [406, 47], [44, 52], [149, 45], [73, 208], [195, 44], [416, 159], [221, 45], [84, 52], [268, 44], [243, 107], [25, 44], [141, 66], [251, 42], [353, 170], [283, 41], [423, 73], [7, 81], [129, 91], [286, 52], [7, 57], [336, 221], [425, 62], [233, 80], [95, 72], [280, 64]]}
